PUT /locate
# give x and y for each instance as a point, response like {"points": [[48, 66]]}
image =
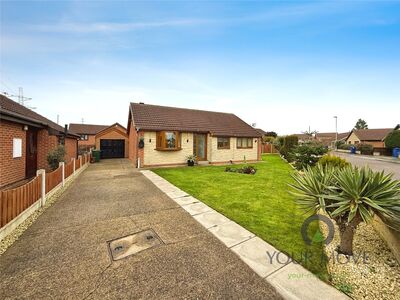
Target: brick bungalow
{"points": [[328, 138], [162, 136], [25, 140], [374, 137], [87, 134]]}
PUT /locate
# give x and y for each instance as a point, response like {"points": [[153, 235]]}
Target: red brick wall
{"points": [[90, 141], [140, 150], [45, 143], [70, 149], [11, 169]]}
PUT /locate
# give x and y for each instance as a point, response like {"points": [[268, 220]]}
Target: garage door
{"points": [[112, 148]]}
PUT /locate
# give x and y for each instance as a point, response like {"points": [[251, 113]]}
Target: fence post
{"points": [[80, 160], [43, 186], [74, 165], [62, 165]]}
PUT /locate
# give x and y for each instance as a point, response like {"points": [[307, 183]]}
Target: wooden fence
{"points": [[69, 168], [14, 202], [53, 179], [268, 148]]}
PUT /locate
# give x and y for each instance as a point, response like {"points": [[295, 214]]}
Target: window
{"points": [[168, 140], [84, 137], [223, 143], [17, 148], [244, 143]]}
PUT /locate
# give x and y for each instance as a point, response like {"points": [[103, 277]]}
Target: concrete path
{"points": [[65, 253], [290, 279], [374, 163]]}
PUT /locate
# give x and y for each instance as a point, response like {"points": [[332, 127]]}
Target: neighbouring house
{"points": [[262, 132], [162, 136], [374, 137], [112, 141], [87, 133], [303, 137], [328, 138], [26, 139]]}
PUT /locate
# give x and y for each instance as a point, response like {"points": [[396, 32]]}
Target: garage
{"points": [[111, 148]]}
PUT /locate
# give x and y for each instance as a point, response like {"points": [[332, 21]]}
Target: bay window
{"points": [[168, 140]]}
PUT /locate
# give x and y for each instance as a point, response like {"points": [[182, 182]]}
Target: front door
{"points": [[31, 153], [200, 146]]}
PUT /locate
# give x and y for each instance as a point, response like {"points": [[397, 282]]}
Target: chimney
{"points": [[65, 129], [141, 102]]}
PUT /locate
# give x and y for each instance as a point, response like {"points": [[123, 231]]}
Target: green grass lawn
{"points": [[261, 203]]}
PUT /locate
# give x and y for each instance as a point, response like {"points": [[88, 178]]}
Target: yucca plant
{"points": [[349, 195]]}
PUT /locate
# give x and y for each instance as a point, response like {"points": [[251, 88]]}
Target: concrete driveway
{"points": [[374, 163], [65, 253]]}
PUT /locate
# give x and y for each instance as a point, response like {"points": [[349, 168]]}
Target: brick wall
{"points": [[234, 154], [45, 143], [70, 149], [89, 142], [11, 169]]}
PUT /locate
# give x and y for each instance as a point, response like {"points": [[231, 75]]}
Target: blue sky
{"points": [[283, 65]]}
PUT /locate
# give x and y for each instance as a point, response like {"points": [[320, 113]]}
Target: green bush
{"points": [[345, 146], [333, 161], [278, 142], [244, 170], [366, 149], [393, 139], [55, 156], [289, 143], [307, 154]]}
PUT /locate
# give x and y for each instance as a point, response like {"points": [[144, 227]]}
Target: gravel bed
{"points": [[17, 232], [376, 274]]}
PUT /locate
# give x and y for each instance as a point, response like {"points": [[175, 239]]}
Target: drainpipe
{"points": [[137, 148]]}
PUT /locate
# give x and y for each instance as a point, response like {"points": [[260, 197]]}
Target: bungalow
{"points": [[374, 137], [328, 138], [25, 140], [162, 136], [87, 133]]}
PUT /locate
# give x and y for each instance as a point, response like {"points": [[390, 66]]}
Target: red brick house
{"points": [[25, 140], [87, 133], [162, 136]]}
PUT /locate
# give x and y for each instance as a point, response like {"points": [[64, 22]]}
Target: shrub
{"points": [[393, 139], [345, 146], [289, 142], [278, 142], [365, 148], [333, 161], [349, 196], [55, 156], [339, 144], [244, 170], [307, 154]]}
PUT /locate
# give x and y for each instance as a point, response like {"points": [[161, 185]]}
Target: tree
{"points": [[393, 139], [307, 154], [271, 133], [289, 142], [349, 196], [361, 124], [55, 156]]}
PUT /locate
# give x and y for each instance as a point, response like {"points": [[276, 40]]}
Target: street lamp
{"points": [[336, 132]]}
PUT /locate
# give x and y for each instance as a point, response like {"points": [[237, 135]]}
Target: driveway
{"points": [[374, 163], [65, 253]]}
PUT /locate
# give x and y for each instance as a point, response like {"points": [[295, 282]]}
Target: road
{"points": [[373, 162]]}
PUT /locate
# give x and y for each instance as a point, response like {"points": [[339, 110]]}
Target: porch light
{"points": [[25, 127]]}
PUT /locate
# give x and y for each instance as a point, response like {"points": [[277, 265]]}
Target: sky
{"points": [[286, 66]]}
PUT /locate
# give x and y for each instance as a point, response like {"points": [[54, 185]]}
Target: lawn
{"points": [[261, 203]]}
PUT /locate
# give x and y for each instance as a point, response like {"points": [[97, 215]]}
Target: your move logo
{"points": [[318, 236]]}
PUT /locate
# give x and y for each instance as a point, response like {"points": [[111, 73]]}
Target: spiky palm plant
{"points": [[350, 196]]}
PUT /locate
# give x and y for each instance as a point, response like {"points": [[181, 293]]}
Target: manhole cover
{"points": [[133, 243]]}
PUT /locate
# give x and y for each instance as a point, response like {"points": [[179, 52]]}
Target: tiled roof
{"points": [[261, 131], [372, 134], [154, 117], [11, 107], [86, 128]]}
